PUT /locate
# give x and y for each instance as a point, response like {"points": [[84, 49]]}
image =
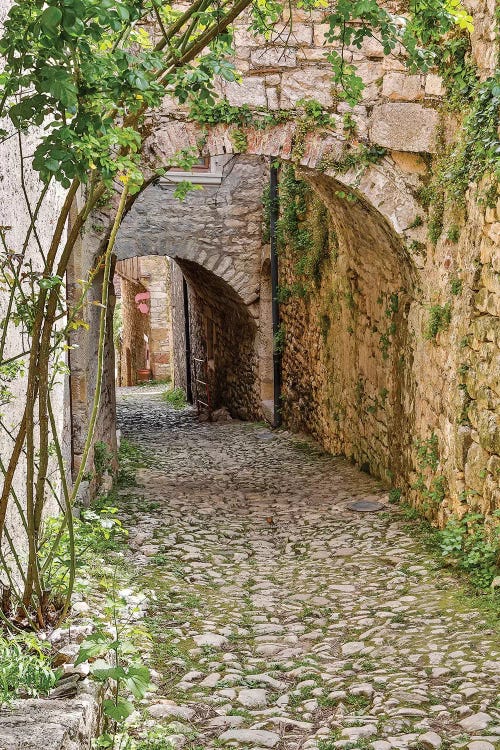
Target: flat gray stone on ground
{"points": [[251, 737]]}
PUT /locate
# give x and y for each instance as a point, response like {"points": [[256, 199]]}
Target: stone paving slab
{"points": [[282, 619]]}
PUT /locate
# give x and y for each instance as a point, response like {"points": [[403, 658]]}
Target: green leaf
{"points": [[96, 644], [102, 671], [118, 711], [50, 19], [138, 680], [105, 740]]}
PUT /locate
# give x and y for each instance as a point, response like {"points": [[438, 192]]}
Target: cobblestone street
{"points": [[282, 619]]}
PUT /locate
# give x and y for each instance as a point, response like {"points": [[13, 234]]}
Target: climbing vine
{"points": [[303, 230]]}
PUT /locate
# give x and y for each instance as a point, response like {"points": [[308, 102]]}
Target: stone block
{"points": [[274, 57], [273, 101], [487, 302], [251, 91], [311, 83], [51, 724], [493, 232], [410, 163], [401, 87], [475, 467], [320, 31], [392, 63], [490, 279], [404, 126], [312, 54], [434, 85], [244, 38], [372, 48], [487, 425], [463, 442], [302, 34]]}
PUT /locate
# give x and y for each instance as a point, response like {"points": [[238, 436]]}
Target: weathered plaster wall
{"points": [[14, 213], [136, 325], [156, 279]]}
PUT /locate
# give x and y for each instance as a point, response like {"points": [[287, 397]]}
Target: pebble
{"points": [[167, 710], [430, 740], [210, 639], [253, 698], [476, 722], [353, 647]]}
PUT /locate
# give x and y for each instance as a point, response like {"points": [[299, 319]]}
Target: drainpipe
{"points": [[187, 336], [273, 219]]}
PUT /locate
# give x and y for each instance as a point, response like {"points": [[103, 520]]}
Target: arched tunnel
{"points": [[346, 345], [220, 345]]}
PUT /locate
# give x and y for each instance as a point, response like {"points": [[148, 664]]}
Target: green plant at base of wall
{"points": [[439, 320], [394, 495], [432, 492], [103, 458], [175, 397], [473, 546], [25, 668]]}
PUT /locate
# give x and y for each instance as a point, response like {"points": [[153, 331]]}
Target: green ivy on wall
{"points": [[303, 229]]}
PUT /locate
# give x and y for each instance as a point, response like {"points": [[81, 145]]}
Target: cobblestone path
{"points": [[281, 618]]}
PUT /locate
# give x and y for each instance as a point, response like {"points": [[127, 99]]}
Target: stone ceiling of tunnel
{"points": [[218, 227]]}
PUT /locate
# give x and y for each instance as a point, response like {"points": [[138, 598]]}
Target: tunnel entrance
{"points": [[178, 323], [345, 342], [191, 282]]}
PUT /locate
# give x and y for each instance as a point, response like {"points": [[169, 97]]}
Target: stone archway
{"points": [[215, 237]]}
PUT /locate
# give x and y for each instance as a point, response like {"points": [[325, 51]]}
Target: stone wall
{"points": [[218, 227], [223, 343], [53, 723], [345, 371], [363, 371]]}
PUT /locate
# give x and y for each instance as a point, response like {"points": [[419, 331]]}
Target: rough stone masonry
{"points": [[375, 387]]}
